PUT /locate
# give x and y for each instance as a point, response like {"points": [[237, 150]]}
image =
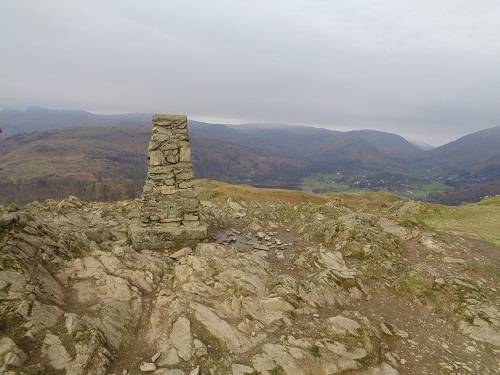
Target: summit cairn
{"points": [[169, 216]]}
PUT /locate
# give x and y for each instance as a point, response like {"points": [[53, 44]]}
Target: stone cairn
{"points": [[169, 214]]}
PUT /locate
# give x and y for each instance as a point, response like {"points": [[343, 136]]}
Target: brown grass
{"points": [[220, 192]]}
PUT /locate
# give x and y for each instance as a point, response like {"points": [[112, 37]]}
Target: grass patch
{"points": [[289, 298], [433, 295], [324, 183], [360, 255], [219, 192], [11, 324], [40, 336], [314, 350], [411, 282], [278, 370], [250, 317], [374, 352], [8, 263], [319, 235], [32, 370], [422, 190], [475, 220], [421, 287]]}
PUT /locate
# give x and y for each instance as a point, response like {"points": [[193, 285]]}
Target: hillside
{"points": [[318, 147], [322, 149], [98, 163], [302, 284], [464, 195], [216, 159], [479, 220], [107, 162], [474, 153], [34, 118]]}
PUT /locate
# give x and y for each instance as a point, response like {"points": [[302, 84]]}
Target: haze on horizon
{"points": [[426, 70]]}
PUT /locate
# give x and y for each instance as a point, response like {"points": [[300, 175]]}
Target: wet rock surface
{"points": [[280, 289]]}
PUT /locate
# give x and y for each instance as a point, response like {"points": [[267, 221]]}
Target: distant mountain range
{"points": [[104, 156], [14, 121]]}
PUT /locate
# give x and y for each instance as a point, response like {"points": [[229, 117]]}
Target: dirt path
{"points": [[432, 345]]}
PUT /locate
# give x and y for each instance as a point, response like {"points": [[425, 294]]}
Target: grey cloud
{"points": [[424, 69]]}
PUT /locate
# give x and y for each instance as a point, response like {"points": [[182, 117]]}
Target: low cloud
{"points": [[423, 69]]}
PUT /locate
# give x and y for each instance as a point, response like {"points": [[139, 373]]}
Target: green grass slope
{"points": [[476, 220]]}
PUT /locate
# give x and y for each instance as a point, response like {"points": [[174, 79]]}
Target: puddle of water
{"points": [[234, 240]]}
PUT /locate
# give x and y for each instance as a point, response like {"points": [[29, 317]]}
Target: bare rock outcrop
{"points": [[330, 289]]}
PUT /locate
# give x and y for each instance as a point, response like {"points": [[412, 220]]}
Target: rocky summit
{"points": [[279, 288]]}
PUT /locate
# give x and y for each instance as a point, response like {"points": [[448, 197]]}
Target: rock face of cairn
{"points": [[169, 213]]}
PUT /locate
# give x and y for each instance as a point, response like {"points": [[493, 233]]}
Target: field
{"points": [[427, 181], [422, 190], [476, 220], [324, 183]]}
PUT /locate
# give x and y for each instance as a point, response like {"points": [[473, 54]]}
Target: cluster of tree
{"points": [[464, 195], [40, 189]]}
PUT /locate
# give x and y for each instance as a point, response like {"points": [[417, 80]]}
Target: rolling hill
{"points": [[34, 118], [110, 163], [105, 157], [476, 153]]}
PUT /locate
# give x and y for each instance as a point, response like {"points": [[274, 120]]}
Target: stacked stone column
{"points": [[169, 212], [168, 195]]}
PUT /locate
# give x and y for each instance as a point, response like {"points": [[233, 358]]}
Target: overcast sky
{"points": [[428, 70]]}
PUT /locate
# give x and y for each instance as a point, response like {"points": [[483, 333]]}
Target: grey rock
{"points": [[238, 369], [73, 323], [257, 246], [200, 349], [181, 253], [480, 330], [382, 369], [164, 371], [56, 353], [44, 316], [235, 206], [155, 357], [147, 367], [181, 338], [234, 340], [10, 354], [340, 325]]}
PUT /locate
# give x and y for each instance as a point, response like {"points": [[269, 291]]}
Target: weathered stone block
{"points": [[186, 184], [184, 165], [167, 238], [160, 138], [180, 131], [185, 176], [190, 218], [167, 190], [156, 158], [161, 169], [185, 154], [163, 177], [153, 145], [169, 146], [173, 158]]}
